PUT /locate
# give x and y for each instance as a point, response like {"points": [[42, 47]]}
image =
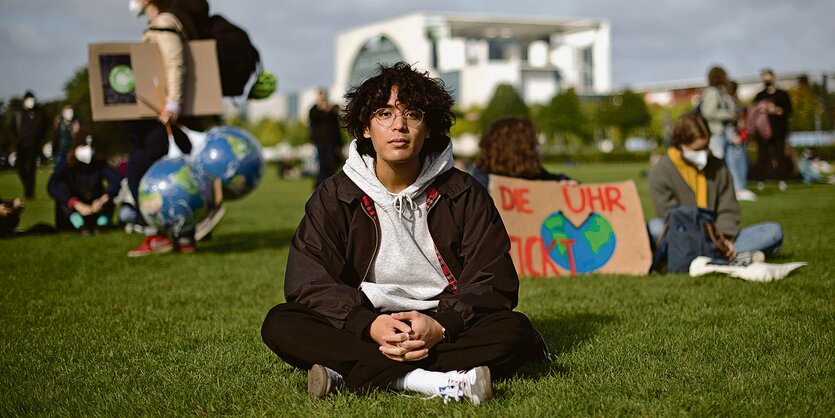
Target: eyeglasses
{"points": [[385, 117]]}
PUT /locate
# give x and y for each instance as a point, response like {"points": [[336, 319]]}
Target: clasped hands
{"points": [[95, 207], [406, 336]]}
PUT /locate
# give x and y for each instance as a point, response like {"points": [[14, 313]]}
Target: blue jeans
{"points": [[736, 158], [766, 236]]}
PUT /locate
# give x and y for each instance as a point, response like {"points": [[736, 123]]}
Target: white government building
{"points": [[472, 54]]}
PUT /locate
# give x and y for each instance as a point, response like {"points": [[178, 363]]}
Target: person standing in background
{"points": [[28, 130], [150, 137], [717, 108], [736, 152], [772, 160], [325, 134], [65, 127]]}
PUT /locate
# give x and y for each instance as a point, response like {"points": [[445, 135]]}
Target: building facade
{"points": [[474, 54]]}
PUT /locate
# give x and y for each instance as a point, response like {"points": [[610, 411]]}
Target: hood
{"points": [[360, 169]]}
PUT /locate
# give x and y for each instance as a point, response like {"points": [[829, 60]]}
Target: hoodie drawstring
{"points": [[399, 201]]}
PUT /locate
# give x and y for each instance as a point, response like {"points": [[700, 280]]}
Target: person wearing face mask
{"points": [[772, 161], [688, 175], [65, 127], [28, 128], [170, 34], [83, 185]]}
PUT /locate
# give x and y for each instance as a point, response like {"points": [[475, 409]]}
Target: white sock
{"points": [[423, 381]]}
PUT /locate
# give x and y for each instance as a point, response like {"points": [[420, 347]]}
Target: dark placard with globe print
{"points": [[558, 230], [117, 79]]}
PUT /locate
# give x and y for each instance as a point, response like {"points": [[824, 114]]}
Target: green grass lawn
{"points": [[87, 331]]}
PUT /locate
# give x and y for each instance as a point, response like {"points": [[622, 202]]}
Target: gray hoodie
{"points": [[407, 274]]}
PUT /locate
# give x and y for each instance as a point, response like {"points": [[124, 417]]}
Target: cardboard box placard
{"points": [[560, 230], [121, 80]]}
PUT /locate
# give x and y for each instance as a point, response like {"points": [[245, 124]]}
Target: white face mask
{"points": [[697, 158], [84, 153], [136, 8], [68, 114], [29, 102]]}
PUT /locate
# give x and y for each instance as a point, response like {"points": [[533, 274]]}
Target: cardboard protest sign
{"points": [[566, 230], [121, 80]]}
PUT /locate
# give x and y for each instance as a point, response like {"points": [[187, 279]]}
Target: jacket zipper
{"points": [[376, 237], [433, 196]]}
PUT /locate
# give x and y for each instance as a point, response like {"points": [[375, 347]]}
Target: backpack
{"points": [[689, 232], [236, 56]]}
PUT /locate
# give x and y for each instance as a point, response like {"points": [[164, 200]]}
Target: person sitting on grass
{"points": [[399, 275], [82, 201], [9, 216], [509, 148], [688, 175]]}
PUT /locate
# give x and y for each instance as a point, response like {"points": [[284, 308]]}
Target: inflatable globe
{"points": [[582, 249], [174, 195], [232, 155]]}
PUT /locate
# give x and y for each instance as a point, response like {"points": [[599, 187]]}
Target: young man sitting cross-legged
{"points": [[399, 275]]}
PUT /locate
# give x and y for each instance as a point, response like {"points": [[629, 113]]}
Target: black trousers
{"points": [[772, 161], [150, 144], [503, 341], [26, 168], [326, 155]]}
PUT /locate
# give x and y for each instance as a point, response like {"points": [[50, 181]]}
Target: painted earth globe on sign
{"points": [[174, 195], [232, 155], [579, 249]]}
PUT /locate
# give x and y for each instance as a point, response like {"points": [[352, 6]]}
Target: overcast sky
{"points": [[42, 42]]}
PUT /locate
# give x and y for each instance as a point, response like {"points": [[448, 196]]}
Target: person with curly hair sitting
{"points": [[399, 275]]}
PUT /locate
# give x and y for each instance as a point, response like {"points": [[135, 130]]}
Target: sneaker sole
{"points": [[209, 224], [317, 382], [161, 250], [482, 385]]}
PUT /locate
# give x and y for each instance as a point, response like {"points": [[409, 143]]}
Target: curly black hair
{"points": [[414, 89]]}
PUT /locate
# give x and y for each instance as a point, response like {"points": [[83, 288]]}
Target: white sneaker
{"points": [[474, 385], [321, 381], [782, 186], [753, 272], [206, 226], [748, 257], [746, 195]]}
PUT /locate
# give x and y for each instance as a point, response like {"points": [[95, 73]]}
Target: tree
{"points": [[505, 102], [807, 109], [626, 112], [564, 115], [466, 121], [77, 90]]}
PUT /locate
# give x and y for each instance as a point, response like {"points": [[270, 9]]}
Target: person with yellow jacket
{"points": [[688, 175]]}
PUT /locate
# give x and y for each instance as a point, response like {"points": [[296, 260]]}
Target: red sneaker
{"points": [[187, 248], [186, 245], [153, 244]]}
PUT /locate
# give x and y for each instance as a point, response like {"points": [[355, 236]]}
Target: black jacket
{"points": [[84, 182], [335, 244]]}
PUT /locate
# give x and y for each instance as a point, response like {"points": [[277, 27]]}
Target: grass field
{"points": [[87, 331]]}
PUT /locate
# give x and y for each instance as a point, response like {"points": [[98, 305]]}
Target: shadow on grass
{"points": [[241, 242], [563, 335]]}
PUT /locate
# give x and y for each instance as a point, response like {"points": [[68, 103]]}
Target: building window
{"points": [[588, 69], [377, 50], [502, 49]]}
